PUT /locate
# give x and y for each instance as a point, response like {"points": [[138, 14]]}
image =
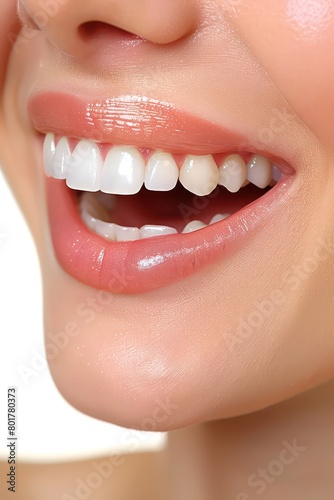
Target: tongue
{"points": [[178, 207]]}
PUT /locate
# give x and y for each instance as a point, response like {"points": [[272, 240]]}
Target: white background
{"points": [[48, 428]]}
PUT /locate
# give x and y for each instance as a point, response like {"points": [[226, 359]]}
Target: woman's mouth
{"points": [[133, 218]]}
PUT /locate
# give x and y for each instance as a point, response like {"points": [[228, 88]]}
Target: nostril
{"points": [[96, 30]]}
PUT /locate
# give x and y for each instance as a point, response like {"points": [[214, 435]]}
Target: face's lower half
{"points": [[142, 111]]}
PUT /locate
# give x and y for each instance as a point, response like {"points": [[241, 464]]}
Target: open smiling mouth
{"points": [[129, 219]]}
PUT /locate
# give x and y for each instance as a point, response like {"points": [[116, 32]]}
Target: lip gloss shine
{"points": [[130, 120]]}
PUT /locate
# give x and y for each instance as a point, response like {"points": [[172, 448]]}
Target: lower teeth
{"points": [[95, 207]]}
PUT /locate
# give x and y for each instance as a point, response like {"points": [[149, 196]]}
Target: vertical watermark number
{"points": [[11, 438]]}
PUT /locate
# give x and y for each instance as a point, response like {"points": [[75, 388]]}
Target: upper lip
{"points": [[132, 120]]}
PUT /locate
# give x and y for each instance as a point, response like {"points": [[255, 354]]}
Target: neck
{"points": [[282, 451]]}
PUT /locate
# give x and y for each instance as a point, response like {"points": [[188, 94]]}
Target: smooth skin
{"points": [[234, 401]]}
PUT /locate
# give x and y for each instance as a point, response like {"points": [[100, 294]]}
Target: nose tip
{"points": [[62, 21]]}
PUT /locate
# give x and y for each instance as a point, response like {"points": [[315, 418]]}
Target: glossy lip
{"points": [[132, 120], [152, 263]]}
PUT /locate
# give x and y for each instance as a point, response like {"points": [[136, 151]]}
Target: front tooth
{"points": [[218, 218], [233, 173], [161, 172], [49, 150], [259, 171], [195, 225], [150, 231], [199, 174], [127, 233], [85, 167], [62, 159], [123, 171]]}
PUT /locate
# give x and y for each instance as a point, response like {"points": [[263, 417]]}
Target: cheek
{"points": [[294, 41]]}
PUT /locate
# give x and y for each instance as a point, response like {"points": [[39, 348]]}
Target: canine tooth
{"points": [[61, 159], [150, 231], [199, 174], [259, 171], [218, 218], [233, 173], [85, 167], [124, 233], [195, 225], [88, 220], [161, 172], [49, 149], [105, 229], [123, 171]]}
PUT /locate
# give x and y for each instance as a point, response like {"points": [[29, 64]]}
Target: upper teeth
{"points": [[199, 174], [161, 172], [124, 171]]}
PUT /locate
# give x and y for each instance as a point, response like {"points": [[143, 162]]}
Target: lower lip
{"points": [[152, 263]]}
